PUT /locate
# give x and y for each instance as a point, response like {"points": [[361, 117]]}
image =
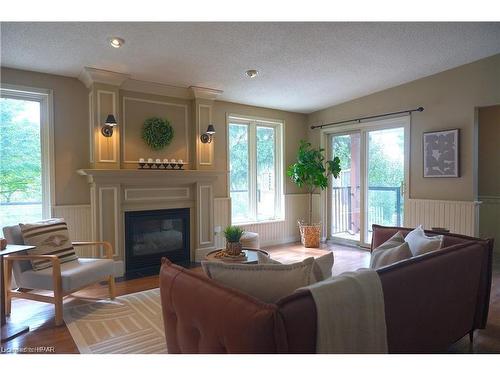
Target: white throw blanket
{"points": [[350, 313]]}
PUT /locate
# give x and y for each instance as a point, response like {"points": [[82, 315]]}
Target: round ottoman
{"points": [[250, 240]]}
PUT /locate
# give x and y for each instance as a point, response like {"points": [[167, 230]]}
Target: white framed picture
{"points": [[441, 153]]}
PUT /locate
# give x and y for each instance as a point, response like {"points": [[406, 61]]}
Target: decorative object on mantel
{"points": [[309, 171], [207, 137], [159, 164], [441, 157], [233, 245], [3, 243], [109, 124], [157, 133]]}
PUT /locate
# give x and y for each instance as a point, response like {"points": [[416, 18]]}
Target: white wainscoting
{"points": [[270, 233], [79, 225], [458, 216], [489, 223]]}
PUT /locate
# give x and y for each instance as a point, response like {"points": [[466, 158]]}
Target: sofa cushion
{"points": [[267, 282], [51, 237], [420, 243], [393, 250], [322, 268], [74, 275]]}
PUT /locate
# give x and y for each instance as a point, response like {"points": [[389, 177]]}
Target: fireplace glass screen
{"points": [[151, 235]]}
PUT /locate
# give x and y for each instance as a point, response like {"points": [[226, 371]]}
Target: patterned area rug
{"points": [[131, 324]]}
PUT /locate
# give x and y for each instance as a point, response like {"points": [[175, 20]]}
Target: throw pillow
{"points": [[420, 243], [322, 268], [391, 251], [267, 282], [50, 237]]}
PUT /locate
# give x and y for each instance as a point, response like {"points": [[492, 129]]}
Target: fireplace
{"points": [[151, 235]]}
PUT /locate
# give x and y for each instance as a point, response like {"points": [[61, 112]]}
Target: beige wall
{"points": [[489, 173], [449, 99], [71, 132], [488, 151], [71, 129], [294, 130]]}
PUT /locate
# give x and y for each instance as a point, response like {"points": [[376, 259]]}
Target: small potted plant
{"points": [[233, 235], [311, 171]]}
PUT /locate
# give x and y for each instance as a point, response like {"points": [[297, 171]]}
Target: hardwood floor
{"points": [[43, 333]]}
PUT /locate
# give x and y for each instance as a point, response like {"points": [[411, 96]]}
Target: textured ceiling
{"points": [[303, 66]]}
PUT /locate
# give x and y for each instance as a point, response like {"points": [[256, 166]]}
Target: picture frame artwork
{"points": [[441, 153]]}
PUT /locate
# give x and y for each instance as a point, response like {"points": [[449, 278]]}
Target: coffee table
{"points": [[251, 254], [9, 330]]}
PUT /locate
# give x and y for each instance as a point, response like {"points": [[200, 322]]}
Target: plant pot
{"points": [[233, 248], [310, 235]]}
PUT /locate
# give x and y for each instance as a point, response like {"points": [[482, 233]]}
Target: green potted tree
{"points": [[311, 171], [233, 235]]}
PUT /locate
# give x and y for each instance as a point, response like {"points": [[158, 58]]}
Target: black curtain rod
{"points": [[419, 109]]}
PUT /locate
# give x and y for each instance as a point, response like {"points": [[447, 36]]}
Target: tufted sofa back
{"points": [[202, 316]]}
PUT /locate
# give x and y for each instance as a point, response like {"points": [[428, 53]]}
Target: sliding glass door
{"points": [[345, 193], [370, 189], [385, 178]]}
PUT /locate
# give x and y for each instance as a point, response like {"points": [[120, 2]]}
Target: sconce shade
{"points": [[109, 124], [110, 120], [210, 129]]}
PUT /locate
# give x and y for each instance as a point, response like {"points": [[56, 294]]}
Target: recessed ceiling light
{"points": [[116, 42], [252, 73]]}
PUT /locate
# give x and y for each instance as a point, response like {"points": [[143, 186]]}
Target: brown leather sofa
{"points": [[431, 301]]}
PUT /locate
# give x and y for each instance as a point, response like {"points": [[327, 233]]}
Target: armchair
{"points": [[62, 278]]}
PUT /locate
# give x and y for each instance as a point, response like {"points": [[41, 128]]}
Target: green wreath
{"points": [[157, 133]]}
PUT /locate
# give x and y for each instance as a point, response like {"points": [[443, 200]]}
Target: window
{"points": [[255, 164], [25, 153]]}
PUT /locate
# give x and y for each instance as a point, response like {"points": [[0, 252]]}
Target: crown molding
{"points": [[157, 89], [90, 76], [205, 93]]}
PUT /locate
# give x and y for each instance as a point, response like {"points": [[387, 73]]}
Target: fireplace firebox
{"points": [[151, 235]]}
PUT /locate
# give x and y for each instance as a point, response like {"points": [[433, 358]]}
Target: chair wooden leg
{"points": [[58, 293], [59, 310], [7, 284], [111, 287]]}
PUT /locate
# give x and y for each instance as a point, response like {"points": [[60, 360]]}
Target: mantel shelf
{"points": [[121, 175]]}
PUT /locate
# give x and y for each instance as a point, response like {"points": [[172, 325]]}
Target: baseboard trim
{"points": [[282, 241], [119, 268]]}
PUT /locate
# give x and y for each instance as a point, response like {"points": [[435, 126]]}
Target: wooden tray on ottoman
{"points": [[250, 256]]}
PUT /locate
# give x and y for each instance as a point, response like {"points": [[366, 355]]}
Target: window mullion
{"points": [[252, 164], [278, 171]]}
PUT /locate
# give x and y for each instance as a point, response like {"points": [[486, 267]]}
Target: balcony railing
{"points": [[344, 217]]}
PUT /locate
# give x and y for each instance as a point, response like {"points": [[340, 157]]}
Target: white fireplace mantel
{"points": [[115, 191], [158, 175]]}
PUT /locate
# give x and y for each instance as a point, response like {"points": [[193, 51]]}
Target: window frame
{"points": [[45, 98], [253, 122]]}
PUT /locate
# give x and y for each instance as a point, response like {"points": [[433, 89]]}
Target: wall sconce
{"points": [[207, 136], [109, 124]]}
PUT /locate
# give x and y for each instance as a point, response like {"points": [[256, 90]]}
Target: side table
{"points": [[9, 330]]}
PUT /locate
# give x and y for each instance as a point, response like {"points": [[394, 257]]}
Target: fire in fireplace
{"points": [[151, 235]]}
